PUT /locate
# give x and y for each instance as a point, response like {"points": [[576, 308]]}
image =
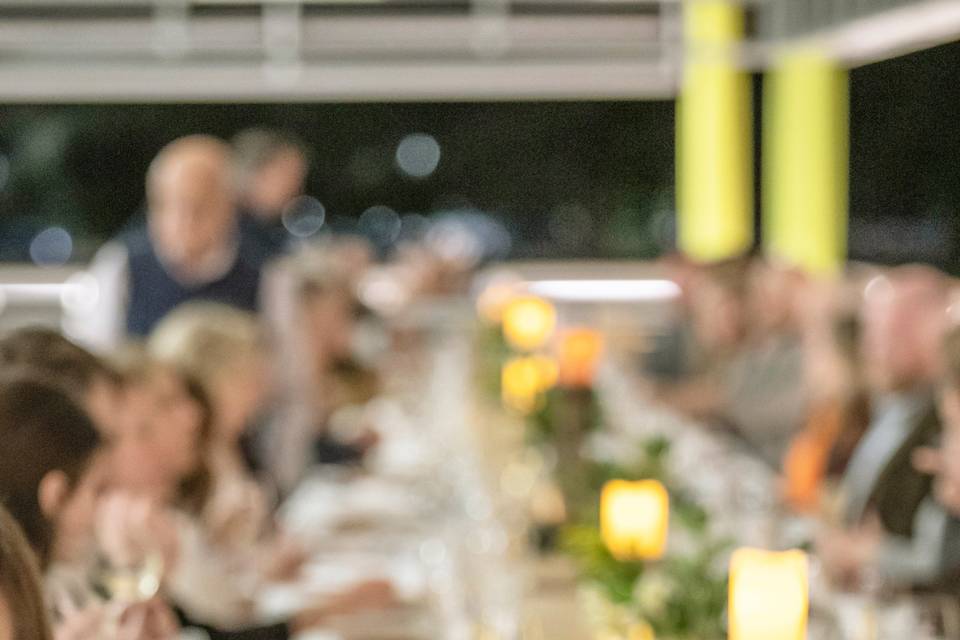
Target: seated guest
{"points": [[223, 350], [157, 459], [190, 248], [762, 383], [320, 375], [270, 168], [887, 517], [162, 458], [23, 615], [91, 382], [838, 416], [671, 356], [945, 461], [717, 309], [52, 470], [329, 313]]}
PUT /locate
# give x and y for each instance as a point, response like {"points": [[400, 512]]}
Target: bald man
{"points": [[189, 248]]}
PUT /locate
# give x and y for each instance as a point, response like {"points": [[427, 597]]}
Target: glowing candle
{"points": [[528, 322], [523, 380], [768, 595], [580, 351], [634, 518]]}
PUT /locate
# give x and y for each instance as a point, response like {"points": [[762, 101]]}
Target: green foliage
{"points": [[558, 404], [682, 595], [584, 544], [492, 352]]}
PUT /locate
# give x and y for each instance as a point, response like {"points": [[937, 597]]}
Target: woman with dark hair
{"points": [[86, 377], [51, 475], [50, 472], [161, 455], [22, 612], [170, 415], [53, 471]]}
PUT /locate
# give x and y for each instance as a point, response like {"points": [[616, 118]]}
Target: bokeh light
{"points": [[528, 322], [383, 291], [51, 247], [418, 155], [304, 216], [381, 225], [468, 236]]}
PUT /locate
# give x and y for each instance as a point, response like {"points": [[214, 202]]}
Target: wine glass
{"points": [[124, 583], [131, 582]]}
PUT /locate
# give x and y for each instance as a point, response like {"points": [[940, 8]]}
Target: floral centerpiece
{"points": [[681, 595]]}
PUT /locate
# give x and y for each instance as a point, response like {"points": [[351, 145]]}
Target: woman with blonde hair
{"points": [[223, 349]]}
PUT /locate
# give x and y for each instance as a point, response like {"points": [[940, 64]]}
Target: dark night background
{"points": [[567, 179]]}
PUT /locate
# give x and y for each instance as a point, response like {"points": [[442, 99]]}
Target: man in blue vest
{"points": [[189, 248]]}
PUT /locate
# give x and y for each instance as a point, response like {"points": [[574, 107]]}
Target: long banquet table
{"points": [[441, 514]]}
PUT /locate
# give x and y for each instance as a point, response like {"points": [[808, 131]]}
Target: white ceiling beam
{"points": [[372, 82], [887, 33]]}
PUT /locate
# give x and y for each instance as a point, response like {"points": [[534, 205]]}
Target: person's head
{"points": [[682, 271], [717, 305], [834, 366], [270, 168], [50, 470], [904, 317], [223, 349], [23, 615], [328, 312], [88, 378], [773, 297], [160, 452], [190, 200]]}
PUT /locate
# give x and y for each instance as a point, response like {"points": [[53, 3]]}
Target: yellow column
{"points": [[714, 136], [806, 152]]}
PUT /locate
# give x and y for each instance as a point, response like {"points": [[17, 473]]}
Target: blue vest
{"points": [[153, 292]]}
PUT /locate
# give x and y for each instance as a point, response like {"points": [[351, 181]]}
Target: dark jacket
{"points": [[900, 488]]}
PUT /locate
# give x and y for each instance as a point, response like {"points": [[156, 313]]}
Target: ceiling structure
{"points": [[416, 50], [859, 31], [171, 50]]}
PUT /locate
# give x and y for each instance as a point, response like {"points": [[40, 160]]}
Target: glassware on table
{"points": [[129, 582], [125, 583]]}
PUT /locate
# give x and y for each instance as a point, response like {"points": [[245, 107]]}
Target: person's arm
{"points": [[920, 559], [100, 323]]}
